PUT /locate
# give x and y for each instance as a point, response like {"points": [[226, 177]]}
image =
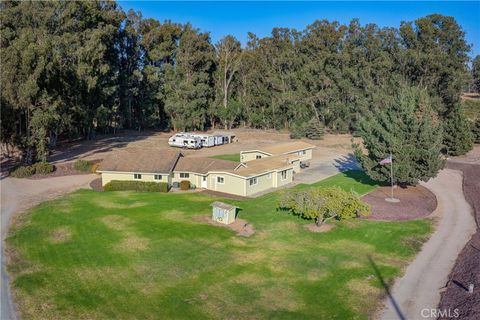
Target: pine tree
{"points": [[314, 129], [457, 137], [408, 129]]}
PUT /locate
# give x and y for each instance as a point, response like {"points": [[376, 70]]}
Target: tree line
{"points": [[76, 68]]}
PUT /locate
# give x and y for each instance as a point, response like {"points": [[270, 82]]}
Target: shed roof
{"points": [[287, 147], [204, 164], [141, 160], [223, 205]]}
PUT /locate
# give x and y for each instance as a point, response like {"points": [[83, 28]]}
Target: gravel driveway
{"points": [[21, 194], [419, 288]]}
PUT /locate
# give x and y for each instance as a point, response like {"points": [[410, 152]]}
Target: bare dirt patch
{"points": [[415, 203], [319, 229], [242, 227], [60, 235]]}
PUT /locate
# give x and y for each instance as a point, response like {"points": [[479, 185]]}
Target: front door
{"points": [[204, 182]]}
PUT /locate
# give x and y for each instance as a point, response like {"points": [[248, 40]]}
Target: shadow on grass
{"points": [[362, 177], [385, 286]]}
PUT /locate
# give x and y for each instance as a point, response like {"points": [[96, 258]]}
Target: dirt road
{"points": [[21, 194], [418, 290]]}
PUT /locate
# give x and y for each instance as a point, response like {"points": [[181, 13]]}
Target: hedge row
{"points": [[118, 185], [27, 171]]}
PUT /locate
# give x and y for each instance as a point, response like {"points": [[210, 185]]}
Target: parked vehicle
{"points": [[182, 140], [206, 140], [219, 140]]}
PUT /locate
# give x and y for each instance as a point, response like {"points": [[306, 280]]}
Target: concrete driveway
{"points": [[18, 195], [323, 168], [418, 291]]}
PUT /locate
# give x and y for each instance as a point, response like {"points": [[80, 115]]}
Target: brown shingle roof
{"points": [[287, 147], [203, 165], [140, 160], [264, 165]]}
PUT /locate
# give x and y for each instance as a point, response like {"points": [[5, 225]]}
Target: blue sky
{"points": [[238, 18]]}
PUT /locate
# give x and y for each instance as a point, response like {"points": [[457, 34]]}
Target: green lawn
{"points": [[152, 256], [231, 157]]}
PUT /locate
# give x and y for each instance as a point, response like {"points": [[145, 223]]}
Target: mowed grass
{"points": [[230, 157], [128, 255]]}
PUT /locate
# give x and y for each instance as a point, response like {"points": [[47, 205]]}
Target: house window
{"points": [[304, 152], [284, 174], [253, 181], [258, 156], [158, 177], [269, 176], [184, 175], [137, 176], [220, 180]]}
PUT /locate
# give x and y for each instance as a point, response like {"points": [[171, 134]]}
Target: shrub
{"points": [[43, 167], [94, 167], [324, 204], [141, 186], [184, 185], [476, 130], [297, 131], [82, 166], [22, 172], [313, 130]]}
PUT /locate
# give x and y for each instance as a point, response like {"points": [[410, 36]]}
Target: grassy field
{"points": [[152, 256], [231, 157]]}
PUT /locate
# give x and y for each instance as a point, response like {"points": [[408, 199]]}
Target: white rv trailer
{"points": [[206, 140], [218, 140], [183, 140]]}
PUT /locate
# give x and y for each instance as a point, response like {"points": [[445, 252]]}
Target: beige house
{"points": [[296, 148], [249, 177]]}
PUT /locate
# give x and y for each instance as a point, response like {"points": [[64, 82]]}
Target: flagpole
{"points": [[391, 171]]}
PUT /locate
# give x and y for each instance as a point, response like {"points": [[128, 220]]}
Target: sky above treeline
{"points": [[221, 18]]}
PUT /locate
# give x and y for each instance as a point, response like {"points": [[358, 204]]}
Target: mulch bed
{"points": [[61, 170], [96, 185], [323, 228], [415, 202], [467, 267]]}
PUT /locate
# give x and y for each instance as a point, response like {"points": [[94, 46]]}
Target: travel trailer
{"points": [[206, 140], [183, 140]]}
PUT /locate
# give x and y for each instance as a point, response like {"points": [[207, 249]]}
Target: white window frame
{"points": [[157, 177], [304, 152], [137, 176], [186, 175], [281, 175], [254, 180], [220, 177], [269, 176]]}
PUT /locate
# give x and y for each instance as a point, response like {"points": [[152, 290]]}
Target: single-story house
{"points": [[139, 165], [245, 178], [296, 148]]}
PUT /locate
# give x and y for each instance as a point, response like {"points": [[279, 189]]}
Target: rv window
{"points": [[137, 176], [220, 180], [158, 177], [184, 175], [253, 181]]}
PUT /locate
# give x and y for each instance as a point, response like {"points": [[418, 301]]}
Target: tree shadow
{"points": [[347, 163], [385, 286]]}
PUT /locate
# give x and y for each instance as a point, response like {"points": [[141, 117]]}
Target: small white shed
{"points": [[223, 212]]}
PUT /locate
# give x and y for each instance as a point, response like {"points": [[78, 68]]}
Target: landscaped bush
{"points": [[142, 186], [184, 185], [94, 167], [22, 172], [43, 167], [82, 166], [322, 204]]}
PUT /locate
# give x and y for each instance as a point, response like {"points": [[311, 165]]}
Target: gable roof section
{"points": [[203, 164], [264, 165], [288, 147], [141, 160]]}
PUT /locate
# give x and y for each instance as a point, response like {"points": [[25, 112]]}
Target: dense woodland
{"points": [[75, 68]]}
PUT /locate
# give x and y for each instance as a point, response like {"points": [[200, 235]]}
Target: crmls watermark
{"points": [[440, 313]]}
